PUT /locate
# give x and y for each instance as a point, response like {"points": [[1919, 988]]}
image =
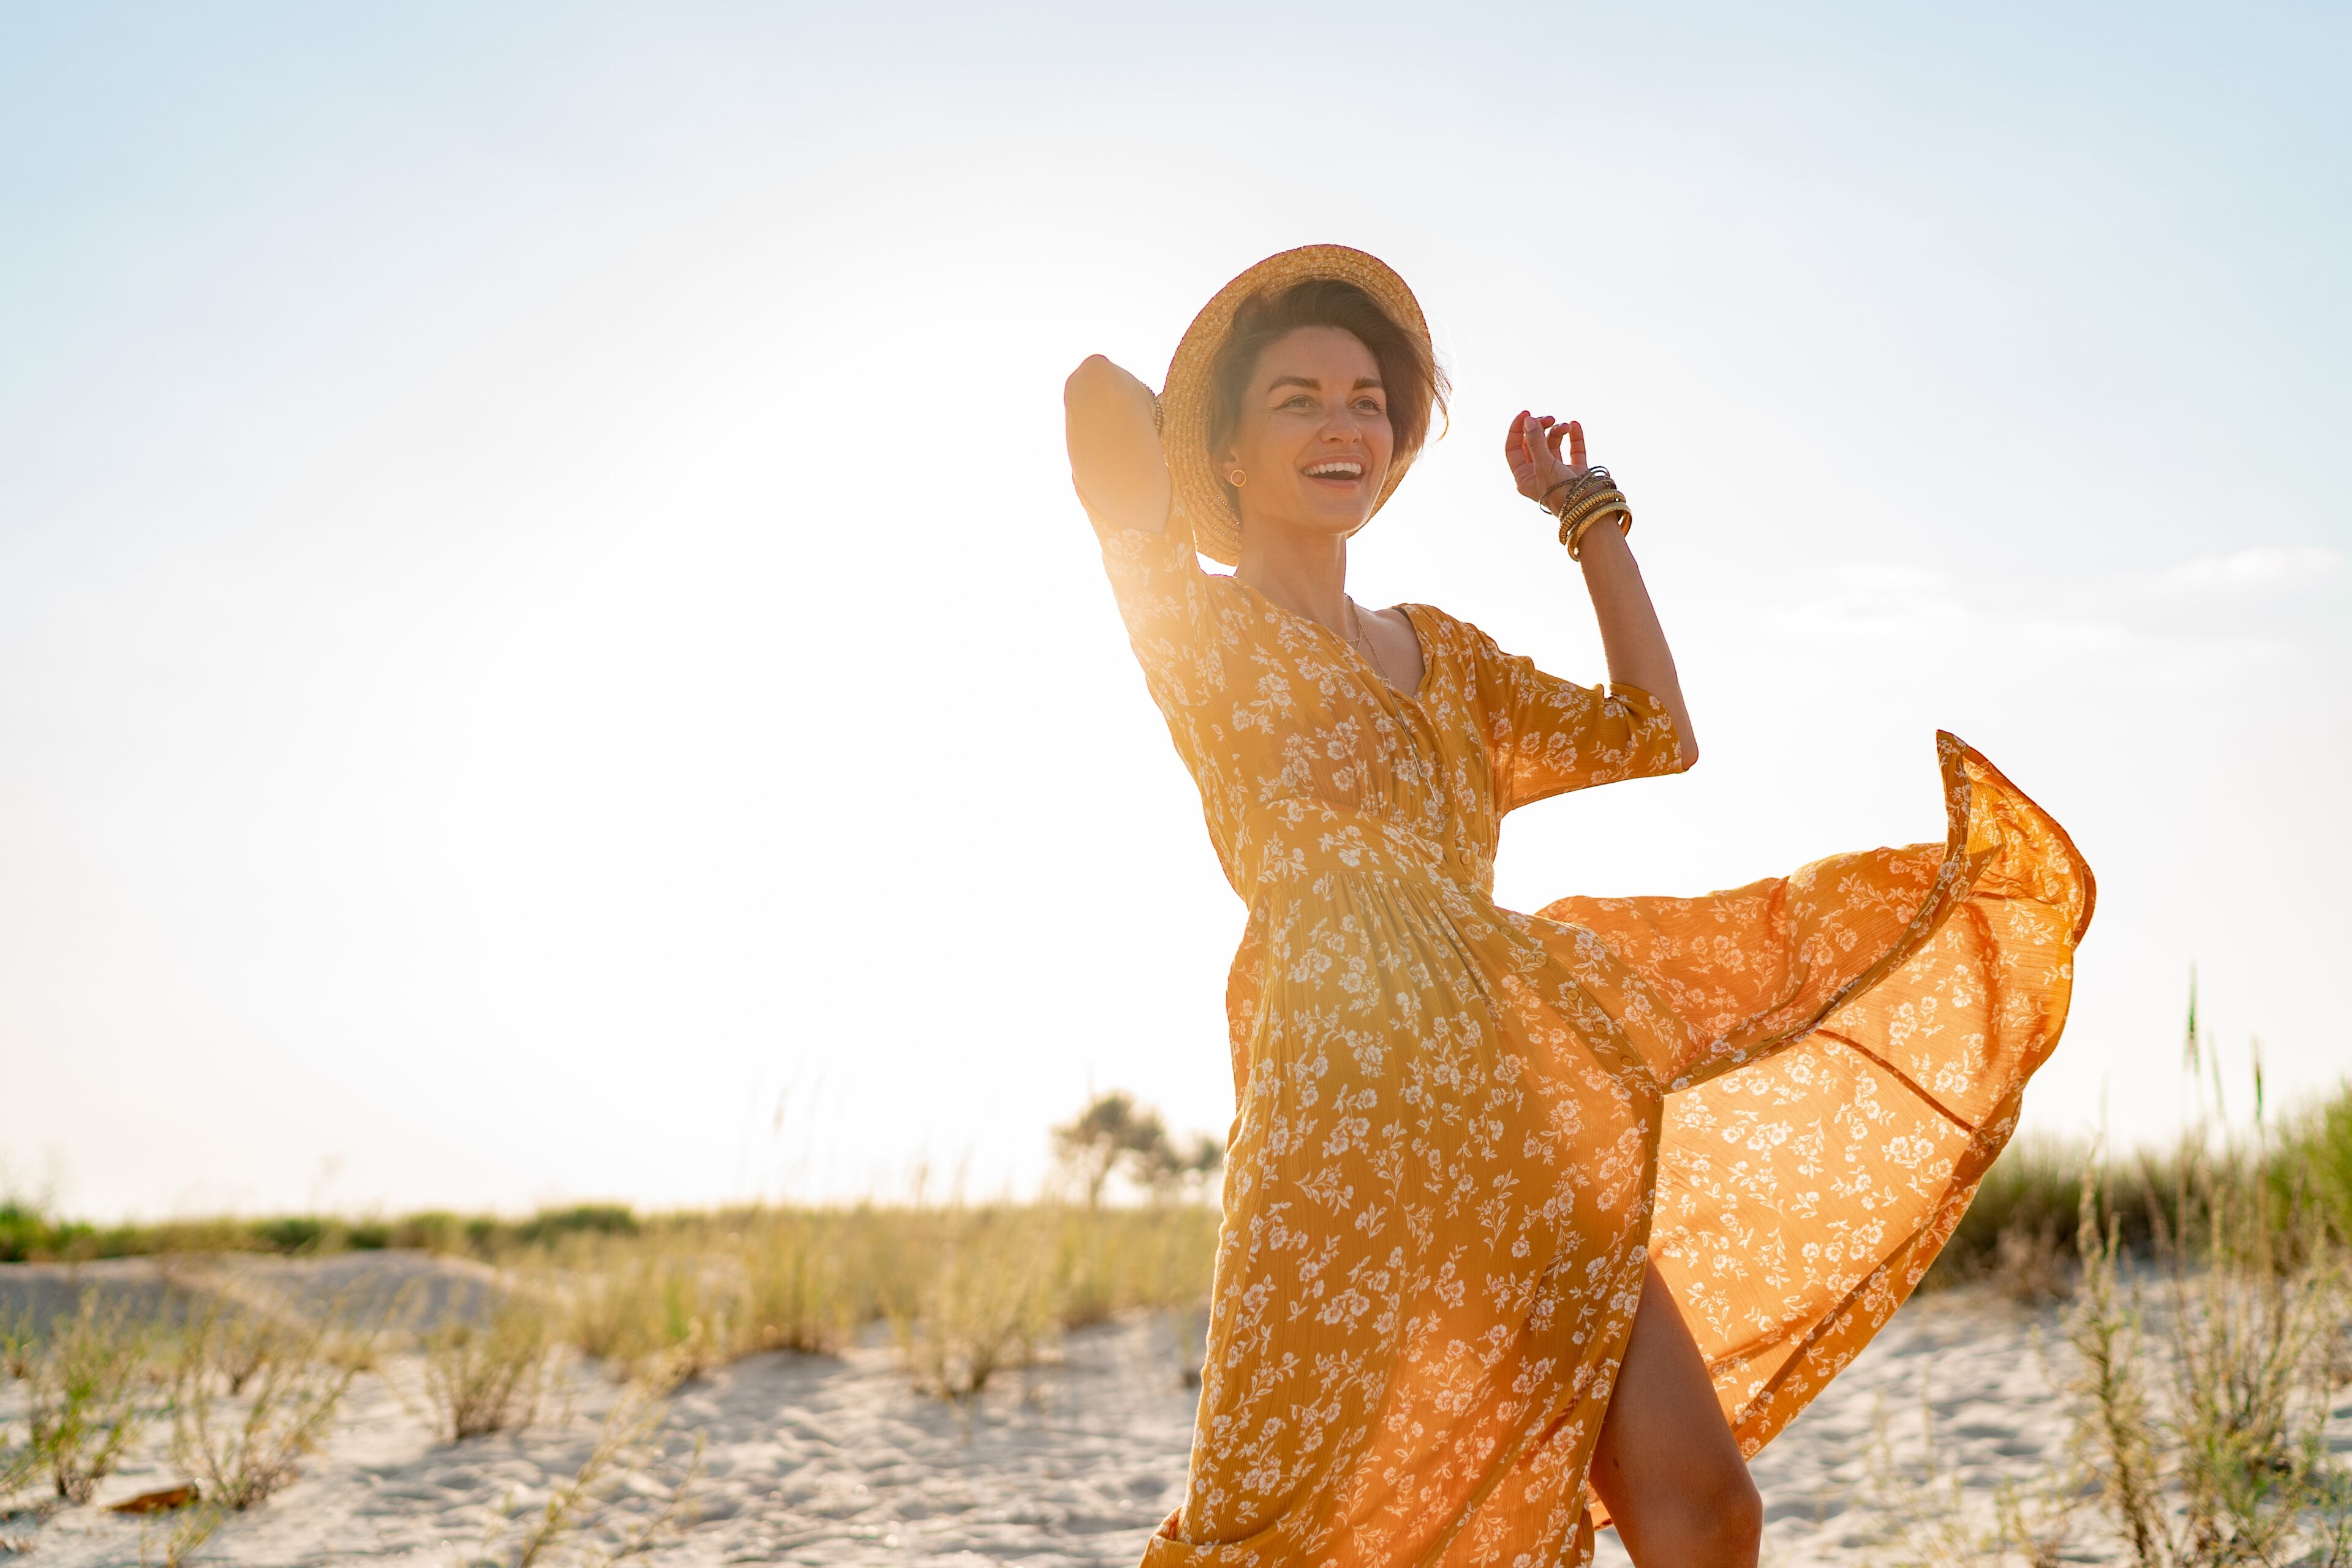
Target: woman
{"points": [[1529, 1222]]}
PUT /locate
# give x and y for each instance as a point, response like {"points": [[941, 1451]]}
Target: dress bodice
{"points": [[1307, 759]]}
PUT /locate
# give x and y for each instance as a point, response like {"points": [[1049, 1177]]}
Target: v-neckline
{"points": [[1421, 643]]}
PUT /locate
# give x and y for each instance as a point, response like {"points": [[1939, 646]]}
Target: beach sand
{"points": [[838, 1460]]}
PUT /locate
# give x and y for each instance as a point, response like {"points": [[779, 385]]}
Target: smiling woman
{"points": [[1529, 1221], [1379, 371]]}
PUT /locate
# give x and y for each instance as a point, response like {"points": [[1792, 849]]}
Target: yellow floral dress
{"points": [[1461, 1131]]}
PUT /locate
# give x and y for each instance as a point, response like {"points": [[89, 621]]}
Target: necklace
{"points": [[1357, 640]]}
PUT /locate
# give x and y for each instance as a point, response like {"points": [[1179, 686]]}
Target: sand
{"points": [[838, 1460]]}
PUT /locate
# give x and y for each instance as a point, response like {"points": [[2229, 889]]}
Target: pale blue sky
{"points": [[541, 617]]}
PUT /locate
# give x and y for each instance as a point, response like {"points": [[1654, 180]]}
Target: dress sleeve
{"points": [[1546, 736], [1168, 603]]}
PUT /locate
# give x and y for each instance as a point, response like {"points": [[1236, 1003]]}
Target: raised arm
{"points": [[1630, 634], [1115, 458]]}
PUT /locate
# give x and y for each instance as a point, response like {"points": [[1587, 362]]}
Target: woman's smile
{"points": [[1341, 474]]}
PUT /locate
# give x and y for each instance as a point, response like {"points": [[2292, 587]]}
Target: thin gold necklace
{"points": [[1357, 640]]}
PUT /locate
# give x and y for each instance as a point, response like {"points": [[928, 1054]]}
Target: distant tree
{"points": [[1169, 1170], [1113, 1132]]}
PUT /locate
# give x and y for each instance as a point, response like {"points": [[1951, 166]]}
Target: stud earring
{"points": [[1238, 478]]}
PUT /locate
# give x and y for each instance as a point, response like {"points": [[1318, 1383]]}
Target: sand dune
{"points": [[837, 1460]]}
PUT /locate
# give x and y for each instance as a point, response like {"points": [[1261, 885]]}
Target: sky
{"points": [[547, 651]]}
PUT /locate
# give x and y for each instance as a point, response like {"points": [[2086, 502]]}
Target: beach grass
{"points": [[87, 1376], [485, 1375], [689, 1290], [2207, 1325]]}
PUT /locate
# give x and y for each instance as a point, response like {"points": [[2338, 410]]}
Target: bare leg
{"points": [[1666, 1464]]}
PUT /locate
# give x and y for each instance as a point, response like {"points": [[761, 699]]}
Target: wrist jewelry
{"points": [[1592, 496], [1575, 485], [1575, 540]]}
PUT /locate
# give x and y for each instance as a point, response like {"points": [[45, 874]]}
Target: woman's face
{"points": [[1312, 440]]}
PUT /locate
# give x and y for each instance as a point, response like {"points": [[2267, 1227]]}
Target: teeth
{"points": [[1352, 470]]}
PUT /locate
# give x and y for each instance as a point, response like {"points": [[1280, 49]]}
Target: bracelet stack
{"points": [[1590, 496]]}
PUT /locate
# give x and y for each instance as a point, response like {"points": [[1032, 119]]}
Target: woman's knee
{"points": [[1727, 1521], [1708, 1519]]}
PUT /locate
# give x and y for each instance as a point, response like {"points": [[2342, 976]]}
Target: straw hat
{"points": [[1186, 401]]}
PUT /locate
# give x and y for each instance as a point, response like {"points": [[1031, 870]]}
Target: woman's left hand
{"points": [[1532, 447]]}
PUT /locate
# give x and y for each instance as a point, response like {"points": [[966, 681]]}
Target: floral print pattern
{"points": [[1462, 1133]]}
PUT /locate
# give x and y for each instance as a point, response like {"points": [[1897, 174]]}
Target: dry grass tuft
{"points": [[486, 1377], [797, 1292], [2203, 1415], [86, 1374], [625, 1444], [968, 1290], [985, 1306], [290, 1378], [651, 1312]]}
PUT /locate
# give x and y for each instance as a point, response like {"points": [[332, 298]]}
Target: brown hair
{"points": [[1410, 378]]}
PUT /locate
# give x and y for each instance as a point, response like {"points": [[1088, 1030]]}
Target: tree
{"points": [[1112, 1131], [1164, 1170]]}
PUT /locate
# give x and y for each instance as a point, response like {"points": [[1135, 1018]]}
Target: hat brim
{"points": [[1186, 400]]}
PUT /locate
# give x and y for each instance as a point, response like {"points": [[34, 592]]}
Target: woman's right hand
{"points": [[1539, 468], [1115, 458]]}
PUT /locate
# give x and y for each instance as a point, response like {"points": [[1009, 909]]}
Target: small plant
{"points": [[17, 1342], [651, 1314], [625, 1443], [486, 1377], [84, 1379], [2030, 1266], [192, 1528], [988, 1303], [237, 1344], [2208, 1446], [794, 1297], [297, 1377]]}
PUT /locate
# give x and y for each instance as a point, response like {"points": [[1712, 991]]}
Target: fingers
{"points": [[1536, 430], [1537, 446], [1516, 438]]}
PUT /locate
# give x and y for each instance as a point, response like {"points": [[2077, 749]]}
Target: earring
{"points": [[1238, 478]]}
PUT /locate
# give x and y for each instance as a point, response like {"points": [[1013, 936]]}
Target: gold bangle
{"points": [[1573, 510], [1607, 496], [1574, 516], [1576, 539]]}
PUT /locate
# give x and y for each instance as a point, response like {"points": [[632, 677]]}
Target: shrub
{"points": [[291, 1233], [486, 1377], [796, 1294], [655, 1314], [584, 1219], [985, 1304], [297, 1381], [85, 1373], [2209, 1445]]}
